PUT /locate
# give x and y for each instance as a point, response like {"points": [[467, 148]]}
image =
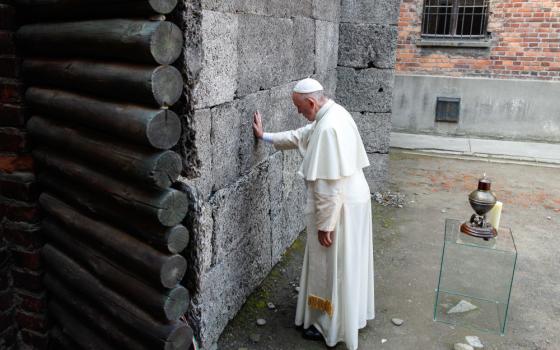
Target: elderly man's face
{"points": [[305, 106]]}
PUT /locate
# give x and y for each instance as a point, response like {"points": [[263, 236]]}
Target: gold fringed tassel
{"points": [[318, 303]]}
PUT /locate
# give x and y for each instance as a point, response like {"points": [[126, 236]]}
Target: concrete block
{"points": [[274, 8], [365, 90], [226, 126], [283, 8], [241, 251], [251, 151], [326, 10], [377, 173], [375, 129], [282, 114], [329, 80], [277, 218], [264, 52], [218, 77], [202, 125], [257, 7], [370, 11], [367, 45], [326, 45], [303, 51], [289, 219]]}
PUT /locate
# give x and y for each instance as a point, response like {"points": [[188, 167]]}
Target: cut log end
{"points": [[180, 338], [167, 85], [177, 303], [164, 130], [173, 270], [177, 239], [166, 43], [163, 6], [167, 169], [173, 208]]}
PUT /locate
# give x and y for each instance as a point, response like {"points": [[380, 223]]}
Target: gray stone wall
{"points": [[366, 60], [246, 55]]}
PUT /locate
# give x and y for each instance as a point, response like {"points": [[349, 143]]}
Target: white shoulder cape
{"points": [[335, 148]]}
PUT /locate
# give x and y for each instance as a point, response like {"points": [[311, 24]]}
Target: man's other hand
{"points": [[257, 125], [326, 238]]}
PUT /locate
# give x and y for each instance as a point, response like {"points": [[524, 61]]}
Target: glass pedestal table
{"points": [[475, 279]]}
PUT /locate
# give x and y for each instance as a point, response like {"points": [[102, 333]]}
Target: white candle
{"points": [[494, 215]]}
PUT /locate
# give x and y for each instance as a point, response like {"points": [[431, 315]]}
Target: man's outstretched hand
{"points": [[325, 238], [257, 125]]}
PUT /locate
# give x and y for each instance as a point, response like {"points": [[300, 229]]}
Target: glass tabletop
{"points": [[502, 242]]}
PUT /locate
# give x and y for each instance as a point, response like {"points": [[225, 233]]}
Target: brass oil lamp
{"points": [[482, 201]]}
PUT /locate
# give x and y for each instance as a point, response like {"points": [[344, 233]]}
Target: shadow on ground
{"points": [[408, 243]]}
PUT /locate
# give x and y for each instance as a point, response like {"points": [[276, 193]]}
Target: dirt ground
{"points": [[407, 247]]}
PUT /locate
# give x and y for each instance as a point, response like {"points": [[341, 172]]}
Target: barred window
{"points": [[461, 19]]}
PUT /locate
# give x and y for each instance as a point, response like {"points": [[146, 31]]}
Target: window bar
{"points": [[445, 31], [426, 22], [437, 18], [472, 19], [484, 18], [463, 19], [454, 15]]}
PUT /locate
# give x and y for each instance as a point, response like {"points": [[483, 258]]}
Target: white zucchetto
{"points": [[307, 86]]}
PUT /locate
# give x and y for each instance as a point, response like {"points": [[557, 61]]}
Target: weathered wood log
{"points": [[100, 207], [73, 9], [149, 85], [161, 269], [166, 207], [91, 315], [169, 336], [60, 340], [156, 169], [130, 40], [131, 252], [150, 127], [112, 271], [72, 326]]}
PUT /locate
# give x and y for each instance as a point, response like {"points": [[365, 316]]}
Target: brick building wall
{"points": [[524, 43], [22, 298]]}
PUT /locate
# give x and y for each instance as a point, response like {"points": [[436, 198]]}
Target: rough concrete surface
{"points": [[375, 129], [246, 55], [244, 229], [378, 171], [367, 45], [365, 90], [273, 51], [218, 77], [326, 36], [370, 11], [326, 10], [407, 248]]}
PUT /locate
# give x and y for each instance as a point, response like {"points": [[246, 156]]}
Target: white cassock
{"points": [[336, 287]]}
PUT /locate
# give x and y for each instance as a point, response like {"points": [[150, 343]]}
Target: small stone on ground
{"points": [[271, 306], [461, 346], [474, 341], [261, 322], [397, 321], [462, 306]]}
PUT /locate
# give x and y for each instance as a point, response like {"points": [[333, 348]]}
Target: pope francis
{"points": [[336, 296]]}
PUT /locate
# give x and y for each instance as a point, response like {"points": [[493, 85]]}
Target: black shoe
{"points": [[312, 333]]}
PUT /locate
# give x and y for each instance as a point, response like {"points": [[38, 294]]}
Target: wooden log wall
{"points": [[99, 86]]}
